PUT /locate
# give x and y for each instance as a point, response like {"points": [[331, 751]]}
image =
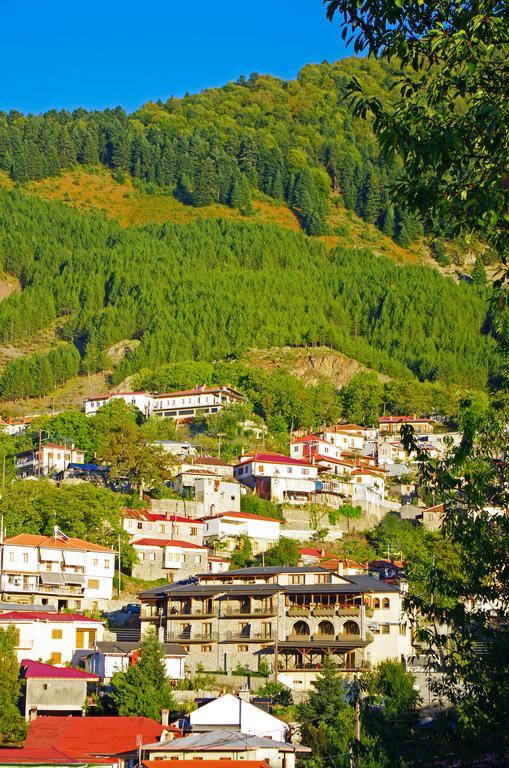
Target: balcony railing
{"points": [[324, 610], [248, 611], [323, 638], [191, 637], [245, 637], [200, 613], [45, 589]]}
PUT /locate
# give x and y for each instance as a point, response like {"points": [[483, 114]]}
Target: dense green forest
{"points": [[210, 289], [294, 141]]}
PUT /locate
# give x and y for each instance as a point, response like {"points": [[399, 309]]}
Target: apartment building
{"points": [[52, 637], [290, 617], [56, 570], [392, 424], [277, 477], [213, 494], [187, 404], [47, 460]]}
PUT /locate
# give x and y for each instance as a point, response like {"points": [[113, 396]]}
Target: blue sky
{"points": [[100, 53]]}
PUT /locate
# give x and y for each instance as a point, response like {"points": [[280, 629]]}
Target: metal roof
{"points": [[221, 740]]}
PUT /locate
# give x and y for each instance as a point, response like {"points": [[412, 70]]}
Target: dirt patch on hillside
{"points": [[8, 284], [309, 364]]}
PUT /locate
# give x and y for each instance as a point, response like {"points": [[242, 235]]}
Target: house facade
{"points": [[187, 404], [289, 617], [226, 527], [52, 637], [392, 425], [276, 477], [211, 492], [47, 460], [113, 656], [141, 400], [48, 690], [141, 523], [169, 559], [59, 571]]}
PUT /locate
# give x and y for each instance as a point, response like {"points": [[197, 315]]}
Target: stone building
{"points": [[289, 617]]}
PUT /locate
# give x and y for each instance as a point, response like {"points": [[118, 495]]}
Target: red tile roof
{"points": [[146, 542], [83, 738], [113, 394], [50, 542], [273, 458], [402, 419], [35, 669], [12, 617], [145, 514], [358, 472], [201, 391], [308, 439]]}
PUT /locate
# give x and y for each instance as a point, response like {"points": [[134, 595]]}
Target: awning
{"points": [[54, 555], [74, 578], [52, 578], [74, 558]]}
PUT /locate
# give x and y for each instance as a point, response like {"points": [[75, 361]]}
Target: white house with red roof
{"points": [[344, 439], [226, 527], [141, 523], [57, 570], [52, 637], [170, 559], [308, 447], [277, 477], [393, 424], [47, 460], [48, 690], [367, 478]]}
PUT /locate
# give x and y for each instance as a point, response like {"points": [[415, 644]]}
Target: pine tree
{"points": [[143, 689], [388, 225], [12, 724], [204, 192]]}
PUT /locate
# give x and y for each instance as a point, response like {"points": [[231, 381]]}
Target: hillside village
{"points": [[240, 573]]}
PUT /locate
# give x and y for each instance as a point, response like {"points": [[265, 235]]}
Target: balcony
{"points": [[350, 610], [191, 637], [298, 610], [294, 638], [192, 613], [323, 610], [247, 637], [260, 611]]}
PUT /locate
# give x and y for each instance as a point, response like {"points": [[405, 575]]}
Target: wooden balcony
{"points": [[248, 637], [254, 611], [191, 637]]}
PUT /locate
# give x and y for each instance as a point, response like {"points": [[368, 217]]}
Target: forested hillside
{"points": [[294, 141], [211, 289]]}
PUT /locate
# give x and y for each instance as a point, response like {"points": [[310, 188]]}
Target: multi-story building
{"points": [[114, 656], [392, 424], [48, 690], [141, 400], [168, 559], [308, 447], [141, 523], [277, 477], [206, 465], [212, 493], [290, 616], [47, 460], [56, 570], [226, 527], [52, 637], [183, 405]]}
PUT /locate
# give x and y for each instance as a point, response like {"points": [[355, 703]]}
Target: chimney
{"points": [[165, 717], [32, 715], [244, 694]]}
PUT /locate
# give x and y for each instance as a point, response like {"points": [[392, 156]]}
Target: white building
{"points": [[308, 447], [56, 570], [113, 656], [236, 713], [141, 400], [51, 459], [206, 464], [168, 559], [391, 452], [187, 404], [369, 479], [343, 438], [264, 532], [213, 493], [52, 637], [141, 523], [277, 477]]}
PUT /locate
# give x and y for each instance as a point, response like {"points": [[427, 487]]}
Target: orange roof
{"points": [[147, 542], [242, 515], [34, 540]]}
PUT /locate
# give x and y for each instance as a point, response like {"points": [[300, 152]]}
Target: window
{"points": [[161, 528], [151, 555], [261, 468], [322, 578], [140, 526], [95, 562], [206, 648], [56, 634], [376, 602], [25, 557], [402, 629], [141, 556], [93, 583], [386, 629], [242, 648], [289, 470], [194, 531], [386, 603], [297, 578], [107, 564], [55, 658], [266, 629], [305, 471], [11, 557], [197, 559]]}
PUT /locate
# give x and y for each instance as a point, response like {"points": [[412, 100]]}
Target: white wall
{"points": [[231, 710], [37, 639]]}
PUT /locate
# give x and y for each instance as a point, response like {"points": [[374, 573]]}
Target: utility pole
{"points": [[39, 456], [3, 476], [119, 564]]}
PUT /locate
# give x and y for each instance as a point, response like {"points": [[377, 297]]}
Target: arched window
{"points": [[326, 628], [301, 628], [376, 602], [386, 602], [351, 628]]}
